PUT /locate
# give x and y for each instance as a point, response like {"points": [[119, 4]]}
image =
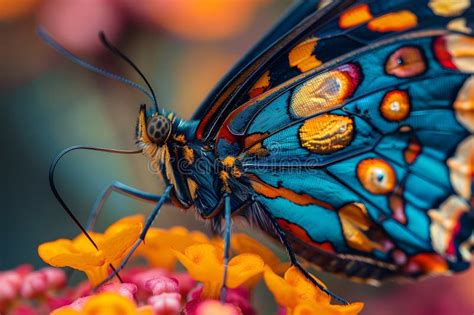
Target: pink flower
{"points": [[162, 284], [25, 310], [166, 303], [240, 297], [141, 278], [55, 302], [186, 283], [79, 303], [24, 269], [166, 298], [55, 278], [10, 285], [34, 284]]}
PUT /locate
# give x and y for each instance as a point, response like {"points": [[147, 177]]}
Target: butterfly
{"points": [[346, 134]]}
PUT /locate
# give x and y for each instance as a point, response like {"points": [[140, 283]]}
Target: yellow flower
{"points": [[204, 263], [107, 303], [159, 244], [301, 297], [242, 243], [80, 254], [306, 309]]}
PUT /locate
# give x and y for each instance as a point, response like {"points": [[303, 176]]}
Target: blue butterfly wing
{"points": [[367, 162], [326, 31]]}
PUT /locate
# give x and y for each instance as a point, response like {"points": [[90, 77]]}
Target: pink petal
{"points": [[55, 278], [34, 284], [186, 283], [166, 303], [162, 284]]}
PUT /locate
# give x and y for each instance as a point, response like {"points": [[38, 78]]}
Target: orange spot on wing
{"points": [[301, 56], [355, 16], [376, 176], [262, 84], [325, 91], [274, 192], [427, 263], [303, 235], [406, 62], [395, 105], [412, 151], [393, 22]]}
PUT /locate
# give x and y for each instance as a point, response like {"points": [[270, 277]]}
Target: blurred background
{"points": [[48, 103]]}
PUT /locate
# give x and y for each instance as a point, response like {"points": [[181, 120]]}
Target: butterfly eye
{"points": [[158, 129]]}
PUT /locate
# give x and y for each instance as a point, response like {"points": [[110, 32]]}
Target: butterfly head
{"points": [[158, 128], [153, 130]]}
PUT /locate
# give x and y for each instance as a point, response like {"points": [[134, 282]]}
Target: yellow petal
{"points": [[159, 243], [283, 293], [118, 241], [203, 262], [242, 243], [242, 268], [97, 275], [65, 310], [62, 253], [306, 291], [82, 244], [127, 221], [155, 251], [109, 304], [307, 309], [145, 310]]}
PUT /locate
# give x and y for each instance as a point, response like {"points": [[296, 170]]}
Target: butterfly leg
{"points": [[227, 235], [145, 229], [294, 261], [120, 188]]}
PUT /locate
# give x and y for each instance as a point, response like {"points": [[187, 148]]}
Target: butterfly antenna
{"points": [[66, 53], [117, 52], [52, 184]]}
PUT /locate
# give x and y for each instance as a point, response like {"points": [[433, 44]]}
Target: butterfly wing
{"points": [[292, 28], [367, 162], [327, 30]]}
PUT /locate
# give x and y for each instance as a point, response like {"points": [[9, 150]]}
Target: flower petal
{"points": [[118, 240], [158, 245], [109, 303], [242, 268], [242, 243], [62, 253], [203, 262], [65, 310], [305, 289], [306, 309], [284, 294], [127, 221]]}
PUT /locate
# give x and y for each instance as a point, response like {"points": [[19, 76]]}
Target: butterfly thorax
{"points": [[198, 178]]}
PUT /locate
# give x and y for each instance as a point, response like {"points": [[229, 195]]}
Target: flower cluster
{"points": [[157, 288], [24, 291]]}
